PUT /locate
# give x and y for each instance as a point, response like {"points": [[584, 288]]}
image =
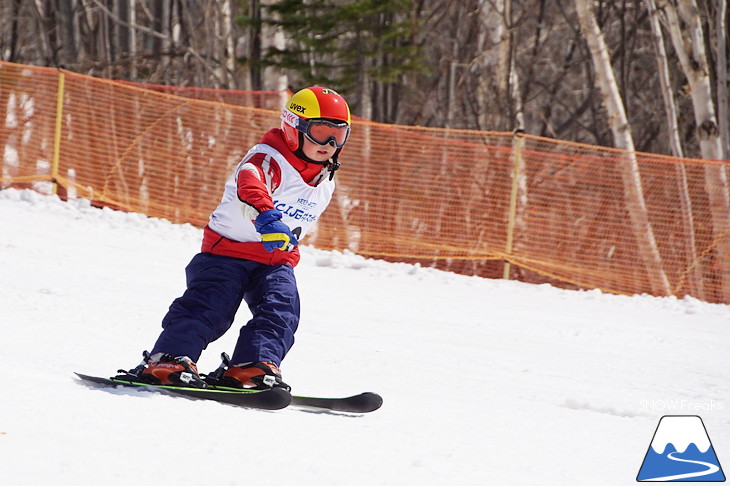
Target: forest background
{"points": [[499, 65], [569, 77]]}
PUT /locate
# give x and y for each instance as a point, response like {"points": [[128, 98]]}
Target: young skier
{"points": [[250, 247]]}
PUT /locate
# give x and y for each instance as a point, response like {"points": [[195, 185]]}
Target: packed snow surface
{"points": [[484, 381]]}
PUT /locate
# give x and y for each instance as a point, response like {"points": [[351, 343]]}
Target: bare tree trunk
{"points": [[43, 12], [229, 50], [685, 29], [255, 47], [621, 130], [120, 37], [493, 65], [106, 43], [505, 69], [365, 96], [272, 77], [722, 78], [214, 42], [165, 28], [513, 81], [9, 11], [670, 108], [453, 59], [87, 32], [519, 198], [65, 26], [132, 39], [176, 24], [695, 284]]}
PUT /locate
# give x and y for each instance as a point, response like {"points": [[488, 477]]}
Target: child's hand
{"points": [[274, 233]]}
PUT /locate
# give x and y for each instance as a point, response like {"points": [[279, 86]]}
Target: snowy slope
{"points": [[484, 381]]}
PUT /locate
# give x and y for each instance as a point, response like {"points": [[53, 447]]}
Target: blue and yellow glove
{"points": [[274, 233]]}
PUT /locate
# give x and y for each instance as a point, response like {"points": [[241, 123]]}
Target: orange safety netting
{"points": [[461, 200]]}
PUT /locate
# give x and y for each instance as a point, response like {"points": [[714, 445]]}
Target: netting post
{"points": [[57, 134], [517, 143]]}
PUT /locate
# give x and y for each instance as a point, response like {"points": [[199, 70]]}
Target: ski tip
{"points": [[95, 379], [362, 403], [370, 401]]}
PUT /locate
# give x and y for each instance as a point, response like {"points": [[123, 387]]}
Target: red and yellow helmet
{"points": [[318, 113]]}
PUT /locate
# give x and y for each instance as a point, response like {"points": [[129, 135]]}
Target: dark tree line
{"points": [[476, 64]]}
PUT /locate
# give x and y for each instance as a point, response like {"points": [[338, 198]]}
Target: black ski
{"points": [[362, 403], [271, 399]]}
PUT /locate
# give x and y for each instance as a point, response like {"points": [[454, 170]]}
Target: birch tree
{"points": [[723, 110], [273, 37], [621, 129], [683, 22], [670, 109], [685, 29], [493, 64]]}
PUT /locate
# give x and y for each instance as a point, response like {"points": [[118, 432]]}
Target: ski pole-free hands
{"points": [[274, 233]]}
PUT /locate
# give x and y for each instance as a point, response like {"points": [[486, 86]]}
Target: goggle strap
{"points": [[290, 118], [333, 167]]}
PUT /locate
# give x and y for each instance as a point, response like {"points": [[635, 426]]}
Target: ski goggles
{"points": [[318, 130], [323, 132]]}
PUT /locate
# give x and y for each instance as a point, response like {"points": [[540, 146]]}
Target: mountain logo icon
{"points": [[681, 451]]}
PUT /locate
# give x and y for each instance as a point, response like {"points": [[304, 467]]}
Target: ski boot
{"points": [[165, 369], [258, 375]]}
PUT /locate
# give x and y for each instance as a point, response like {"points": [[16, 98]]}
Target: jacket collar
{"points": [[309, 172]]}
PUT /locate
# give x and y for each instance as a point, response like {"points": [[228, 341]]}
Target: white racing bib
{"points": [[300, 204]]}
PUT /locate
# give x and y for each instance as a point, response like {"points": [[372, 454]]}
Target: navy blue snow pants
{"points": [[216, 286]]}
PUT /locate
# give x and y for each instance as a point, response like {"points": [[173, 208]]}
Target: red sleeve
{"points": [[258, 178]]}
